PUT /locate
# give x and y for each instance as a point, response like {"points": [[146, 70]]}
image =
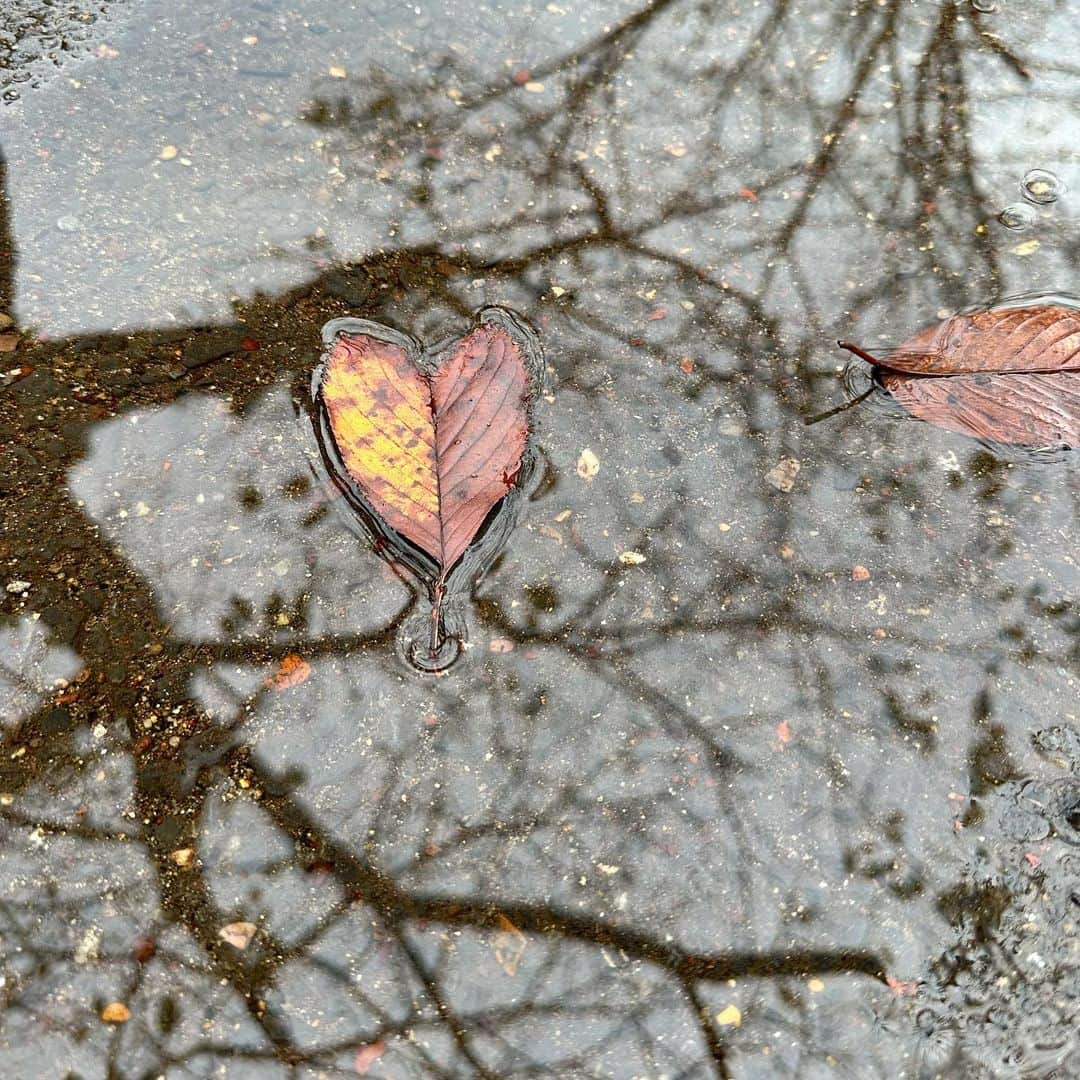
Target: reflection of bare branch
{"points": [[595, 230]]}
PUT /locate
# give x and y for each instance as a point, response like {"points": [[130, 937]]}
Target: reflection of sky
{"points": [[143, 241], [113, 236], [30, 668], [724, 643], [195, 497]]}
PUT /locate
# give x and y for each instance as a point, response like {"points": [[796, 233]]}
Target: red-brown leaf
{"points": [[1038, 338], [432, 451], [1027, 410], [1010, 374]]}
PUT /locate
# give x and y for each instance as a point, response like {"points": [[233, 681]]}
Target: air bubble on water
{"points": [[1018, 216], [984, 7], [1041, 186]]}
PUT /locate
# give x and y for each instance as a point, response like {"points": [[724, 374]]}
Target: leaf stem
{"points": [[860, 353], [436, 617]]}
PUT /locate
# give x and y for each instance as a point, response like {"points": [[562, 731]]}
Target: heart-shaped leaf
{"points": [[432, 439]]}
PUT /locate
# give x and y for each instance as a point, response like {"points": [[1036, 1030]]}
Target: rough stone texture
{"points": [[37, 39]]}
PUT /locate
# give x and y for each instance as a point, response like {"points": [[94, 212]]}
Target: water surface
{"points": [[796, 795]]}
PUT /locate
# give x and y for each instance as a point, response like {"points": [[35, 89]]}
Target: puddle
{"points": [[760, 759]]}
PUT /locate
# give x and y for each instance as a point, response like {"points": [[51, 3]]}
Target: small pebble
{"points": [[116, 1012], [588, 464], [17, 586], [782, 475], [729, 1017], [238, 934]]}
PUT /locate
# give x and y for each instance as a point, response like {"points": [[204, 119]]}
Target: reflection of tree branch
{"points": [[593, 636], [356, 875], [709, 1034]]}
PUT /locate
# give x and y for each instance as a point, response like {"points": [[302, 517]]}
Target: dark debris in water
{"points": [[39, 37], [1004, 999]]}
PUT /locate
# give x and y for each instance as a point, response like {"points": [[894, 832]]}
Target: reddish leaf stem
{"points": [[860, 353]]}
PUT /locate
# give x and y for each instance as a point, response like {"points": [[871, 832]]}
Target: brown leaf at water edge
{"points": [[1025, 410], [1009, 375], [1039, 338], [292, 671], [433, 443]]}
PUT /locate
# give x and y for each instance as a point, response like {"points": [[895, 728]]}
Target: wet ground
{"points": [[795, 794]]}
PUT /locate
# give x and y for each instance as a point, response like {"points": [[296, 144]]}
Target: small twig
{"points": [[810, 420]]}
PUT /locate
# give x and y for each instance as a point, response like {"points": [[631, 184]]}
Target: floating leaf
{"points": [[430, 441], [1010, 374], [1030, 339], [1026, 410]]}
